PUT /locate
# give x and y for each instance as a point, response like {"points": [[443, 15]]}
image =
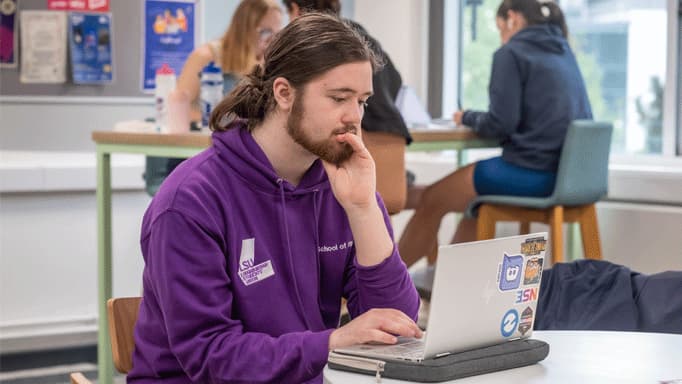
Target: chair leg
{"points": [[485, 226], [78, 378], [589, 231], [524, 227], [556, 221]]}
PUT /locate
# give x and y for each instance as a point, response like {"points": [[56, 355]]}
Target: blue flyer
{"points": [[168, 37], [90, 48]]}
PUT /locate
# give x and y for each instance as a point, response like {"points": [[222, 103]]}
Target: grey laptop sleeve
{"points": [[513, 354]]}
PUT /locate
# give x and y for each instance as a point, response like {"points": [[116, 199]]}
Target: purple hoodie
{"points": [[244, 273]]}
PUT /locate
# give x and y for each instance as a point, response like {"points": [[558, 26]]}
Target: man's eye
{"points": [[338, 99], [363, 103]]}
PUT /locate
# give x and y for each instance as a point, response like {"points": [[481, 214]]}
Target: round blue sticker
{"points": [[510, 321]]}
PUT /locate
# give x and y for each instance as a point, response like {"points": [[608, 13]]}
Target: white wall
{"points": [[216, 17], [400, 26], [48, 265], [61, 124]]}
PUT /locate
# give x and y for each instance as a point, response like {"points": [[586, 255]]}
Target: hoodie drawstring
{"points": [[299, 301], [316, 214]]}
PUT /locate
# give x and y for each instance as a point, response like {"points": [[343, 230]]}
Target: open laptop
{"points": [[415, 114], [484, 293]]}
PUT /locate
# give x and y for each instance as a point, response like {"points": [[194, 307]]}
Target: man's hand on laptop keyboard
{"points": [[377, 326]]}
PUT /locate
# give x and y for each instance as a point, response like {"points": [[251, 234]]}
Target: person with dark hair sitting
{"points": [[250, 246], [384, 131], [536, 90]]}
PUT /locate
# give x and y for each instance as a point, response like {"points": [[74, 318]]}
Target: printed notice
{"points": [[168, 37], [90, 43], [43, 47]]}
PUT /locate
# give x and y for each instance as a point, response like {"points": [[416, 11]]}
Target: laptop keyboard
{"points": [[406, 349]]}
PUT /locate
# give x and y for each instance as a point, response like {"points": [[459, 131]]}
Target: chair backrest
{"points": [[583, 172], [122, 313], [388, 152]]}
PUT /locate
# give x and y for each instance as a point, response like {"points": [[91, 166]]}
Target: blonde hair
{"points": [[238, 43]]}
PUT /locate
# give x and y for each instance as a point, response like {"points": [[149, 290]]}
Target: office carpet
{"points": [[50, 367]]}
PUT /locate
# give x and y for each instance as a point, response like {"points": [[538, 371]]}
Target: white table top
{"points": [[579, 357]]}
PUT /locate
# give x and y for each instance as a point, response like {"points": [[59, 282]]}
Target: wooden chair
{"points": [[122, 315], [582, 179], [388, 152]]}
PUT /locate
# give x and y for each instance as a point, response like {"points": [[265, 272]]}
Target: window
{"points": [[623, 50]]}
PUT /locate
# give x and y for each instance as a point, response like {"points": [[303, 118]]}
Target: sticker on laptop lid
{"points": [[533, 271], [533, 246], [526, 295], [526, 322], [509, 322], [510, 276]]}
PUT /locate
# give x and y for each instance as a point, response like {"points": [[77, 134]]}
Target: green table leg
{"points": [[461, 158], [573, 243], [105, 369]]}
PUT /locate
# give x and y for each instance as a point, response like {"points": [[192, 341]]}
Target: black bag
{"points": [[513, 354]]}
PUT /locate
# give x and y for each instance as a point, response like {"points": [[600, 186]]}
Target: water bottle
{"points": [[165, 83], [211, 91]]}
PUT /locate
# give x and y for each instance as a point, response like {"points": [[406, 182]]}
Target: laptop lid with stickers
{"points": [[484, 293]]}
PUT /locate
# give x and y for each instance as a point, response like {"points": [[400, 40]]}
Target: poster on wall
{"points": [[79, 5], [43, 47], [90, 46], [168, 37], [8, 33]]}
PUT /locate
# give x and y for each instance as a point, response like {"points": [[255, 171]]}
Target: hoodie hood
{"points": [[546, 37], [241, 152]]}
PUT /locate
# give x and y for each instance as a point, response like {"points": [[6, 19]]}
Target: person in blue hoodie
{"points": [[535, 91], [250, 246]]}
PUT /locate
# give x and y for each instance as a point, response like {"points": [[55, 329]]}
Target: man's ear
{"points": [[295, 10], [284, 93]]}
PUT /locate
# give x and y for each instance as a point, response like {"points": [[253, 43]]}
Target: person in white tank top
{"points": [[253, 25]]}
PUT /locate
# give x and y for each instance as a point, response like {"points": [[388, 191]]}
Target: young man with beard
{"points": [[250, 245]]}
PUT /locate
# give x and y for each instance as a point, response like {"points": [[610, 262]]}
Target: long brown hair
{"points": [[238, 43], [532, 12], [305, 49]]}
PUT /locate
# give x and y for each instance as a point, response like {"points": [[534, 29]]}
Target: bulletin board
{"points": [[127, 36]]}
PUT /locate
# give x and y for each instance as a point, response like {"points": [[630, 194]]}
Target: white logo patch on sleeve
{"points": [[248, 272]]}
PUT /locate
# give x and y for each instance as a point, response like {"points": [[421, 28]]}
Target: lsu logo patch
{"points": [[248, 272], [510, 276]]}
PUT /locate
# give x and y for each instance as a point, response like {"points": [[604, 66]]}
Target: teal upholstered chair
{"points": [[582, 179]]}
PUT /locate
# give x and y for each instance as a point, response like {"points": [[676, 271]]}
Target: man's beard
{"points": [[329, 149]]}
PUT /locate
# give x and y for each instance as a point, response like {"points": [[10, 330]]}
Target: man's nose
{"points": [[353, 114]]}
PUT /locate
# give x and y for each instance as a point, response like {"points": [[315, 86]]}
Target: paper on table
{"points": [[137, 126], [411, 108]]}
